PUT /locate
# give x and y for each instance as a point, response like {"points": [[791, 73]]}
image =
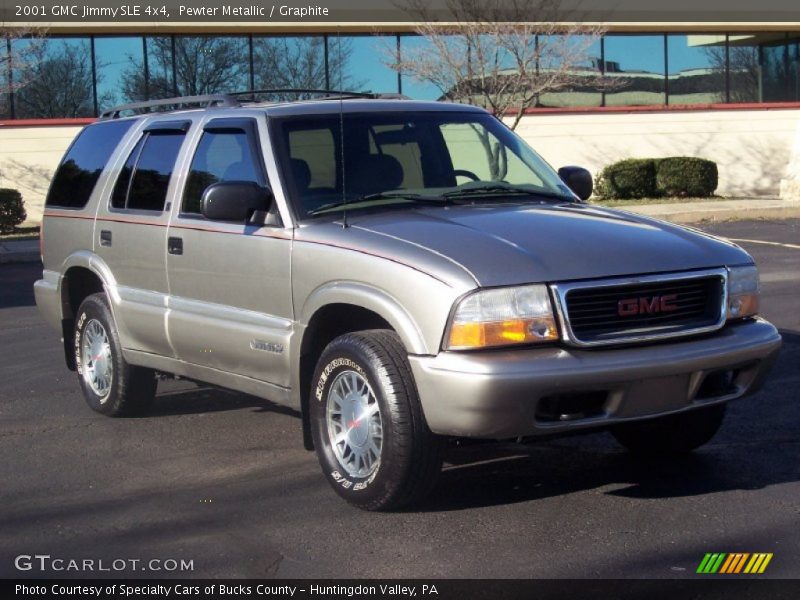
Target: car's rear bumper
{"points": [[522, 392], [47, 293]]}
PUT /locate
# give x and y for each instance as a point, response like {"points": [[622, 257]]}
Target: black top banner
{"points": [[390, 11]]}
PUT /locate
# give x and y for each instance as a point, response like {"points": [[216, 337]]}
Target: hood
{"points": [[509, 245]]}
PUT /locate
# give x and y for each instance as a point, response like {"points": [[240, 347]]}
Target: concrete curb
{"points": [[735, 210]]}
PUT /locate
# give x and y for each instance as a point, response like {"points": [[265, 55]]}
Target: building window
{"points": [[120, 70], [757, 67], [637, 62], [696, 65], [211, 64], [287, 62], [794, 70], [59, 80], [156, 77], [410, 86], [575, 62], [360, 63]]}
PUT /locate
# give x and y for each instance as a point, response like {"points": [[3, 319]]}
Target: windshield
{"points": [[402, 158]]}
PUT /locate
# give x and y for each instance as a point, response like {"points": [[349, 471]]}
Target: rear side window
{"points": [[143, 181], [86, 158]]}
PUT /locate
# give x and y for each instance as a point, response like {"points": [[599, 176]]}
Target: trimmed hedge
{"points": [[630, 178], [686, 176], [653, 178], [12, 210]]}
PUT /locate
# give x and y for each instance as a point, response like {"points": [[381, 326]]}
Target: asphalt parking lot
{"points": [[222, 480]]}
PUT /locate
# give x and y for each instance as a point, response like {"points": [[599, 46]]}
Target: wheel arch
{"points": [[342, 308], [83, 274]]}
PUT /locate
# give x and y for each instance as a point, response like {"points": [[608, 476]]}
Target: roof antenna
{"points": [[341, 125]]}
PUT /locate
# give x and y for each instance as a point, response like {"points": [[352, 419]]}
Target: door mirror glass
{"points": [[234, 200], [578, 179]]}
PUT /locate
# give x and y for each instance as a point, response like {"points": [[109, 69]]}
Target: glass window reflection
{"points": [[637, 62], [58, 82], [696, 68], [281, 62], [117, 81], [363, 61]]}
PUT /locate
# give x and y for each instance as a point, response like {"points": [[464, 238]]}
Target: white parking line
{"points": [[792, 246]]}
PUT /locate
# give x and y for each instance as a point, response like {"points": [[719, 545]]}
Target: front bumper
{"points": [[525, 392]]}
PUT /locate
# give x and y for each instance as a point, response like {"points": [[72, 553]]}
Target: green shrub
{"points": [[686, 176], [656, 177], [630, 178], [12, 210]]}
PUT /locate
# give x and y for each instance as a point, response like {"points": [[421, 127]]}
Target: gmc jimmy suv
{"points": [[401, 272]]}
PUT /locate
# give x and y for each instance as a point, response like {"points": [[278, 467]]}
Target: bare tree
{"points": [[58, 84], [503, 54], [19, 54], [744, 71], [20, 51], [202, 65], [299, 63]]}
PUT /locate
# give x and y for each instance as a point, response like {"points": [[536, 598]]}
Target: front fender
{"points": [[370, 298]]}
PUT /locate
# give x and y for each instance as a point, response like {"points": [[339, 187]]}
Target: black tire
{"points": [[131, 389], [410, 455], [673, 434]]}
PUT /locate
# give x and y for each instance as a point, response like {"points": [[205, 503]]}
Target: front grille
{"points": [[645, 309]]}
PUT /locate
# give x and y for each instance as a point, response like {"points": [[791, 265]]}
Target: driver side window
{"points": [[222, 155]]}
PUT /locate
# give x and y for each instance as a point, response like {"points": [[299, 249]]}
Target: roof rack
{"points": [[207, 101], [326, 93], [230, 99]]}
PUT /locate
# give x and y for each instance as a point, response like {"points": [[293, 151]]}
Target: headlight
{"points": [[743, 292], [502, 317]]}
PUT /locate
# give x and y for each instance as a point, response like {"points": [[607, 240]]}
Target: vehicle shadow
{"points": [[209, 399], [758, 446], [16, 284]]}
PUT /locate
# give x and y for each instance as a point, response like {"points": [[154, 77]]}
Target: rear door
{"points": [[131, 233], [230, 303]]}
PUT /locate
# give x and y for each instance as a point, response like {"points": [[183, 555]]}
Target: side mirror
{"points": [[234, 200], [578, 179]]}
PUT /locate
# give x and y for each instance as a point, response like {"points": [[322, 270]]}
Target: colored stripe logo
{"points": [[734, 563]]}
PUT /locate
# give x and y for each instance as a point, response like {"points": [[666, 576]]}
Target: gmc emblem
{"points": [[646, 305]]}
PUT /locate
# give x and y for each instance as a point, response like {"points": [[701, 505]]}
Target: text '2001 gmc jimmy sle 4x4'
{"points": [[401, 272]]}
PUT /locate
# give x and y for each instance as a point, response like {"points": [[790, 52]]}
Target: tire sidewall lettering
{"points": [[77, 341], [319, 392], [336, 475]]}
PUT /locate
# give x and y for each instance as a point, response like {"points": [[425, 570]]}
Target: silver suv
{"points": [[403, 273]]}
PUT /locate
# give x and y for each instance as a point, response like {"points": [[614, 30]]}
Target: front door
{"points": [[230, 293]]}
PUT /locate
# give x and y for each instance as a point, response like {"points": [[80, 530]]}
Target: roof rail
{"points": [[208, 100], [335, 94]]}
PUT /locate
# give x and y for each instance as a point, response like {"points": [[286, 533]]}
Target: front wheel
{"points": [[369, 432], [672, 434]]}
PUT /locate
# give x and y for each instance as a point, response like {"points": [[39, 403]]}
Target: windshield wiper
{"points": [[390, 195], [496, 188]]}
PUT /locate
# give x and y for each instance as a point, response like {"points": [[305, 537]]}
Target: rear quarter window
{"points": [[86, 158]]}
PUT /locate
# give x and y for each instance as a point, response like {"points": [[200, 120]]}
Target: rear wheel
{"points": [[672, 434], [369, 431], [110, 385]]}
